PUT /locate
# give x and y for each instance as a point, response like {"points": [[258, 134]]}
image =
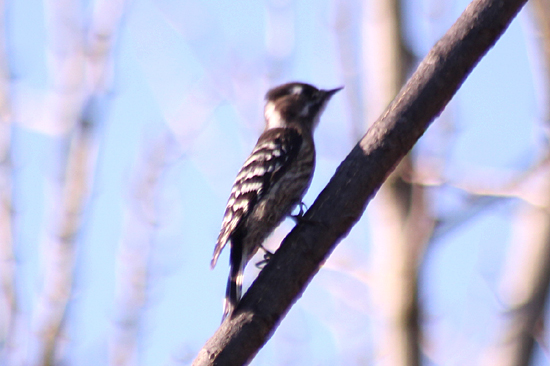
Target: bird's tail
{"points": [[233, 291]]}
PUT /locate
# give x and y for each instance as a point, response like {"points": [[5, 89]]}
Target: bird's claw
{"points": [[300, 215], [267, 257]]}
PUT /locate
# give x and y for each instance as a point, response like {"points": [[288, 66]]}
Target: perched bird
{"points": [[273, 179]]}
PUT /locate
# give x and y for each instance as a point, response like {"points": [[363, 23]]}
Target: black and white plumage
{"points": [[273, 179]]}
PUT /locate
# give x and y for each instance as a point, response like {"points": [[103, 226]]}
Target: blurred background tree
{"points": [[123, 125]]}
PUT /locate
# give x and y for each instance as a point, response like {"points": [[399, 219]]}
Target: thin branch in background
{"points": [[525, 282], [8, 301], [101, 38], [540, 10], [66, 67], [399, 218], [523, 289], [382, 61], [73, 98], [59, 256], [355, 182], [140, 224], [482, 191]]}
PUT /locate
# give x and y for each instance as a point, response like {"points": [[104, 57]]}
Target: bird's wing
{"points": [[273, 154]]}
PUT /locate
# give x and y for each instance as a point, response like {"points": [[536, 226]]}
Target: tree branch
{"points": [[356, 181]]}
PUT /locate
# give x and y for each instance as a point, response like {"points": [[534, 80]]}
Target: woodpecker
{"points": [[273, 179]]}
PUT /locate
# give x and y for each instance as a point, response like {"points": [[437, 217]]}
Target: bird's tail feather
{"points": [[233, 291]]}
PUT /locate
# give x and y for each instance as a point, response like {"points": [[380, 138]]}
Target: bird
{"points": [[273, 180]]}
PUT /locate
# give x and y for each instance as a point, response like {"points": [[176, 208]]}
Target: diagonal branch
{"points": [[356, 181]]}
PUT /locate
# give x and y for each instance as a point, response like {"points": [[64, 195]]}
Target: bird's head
{"points": [[296, 103]]}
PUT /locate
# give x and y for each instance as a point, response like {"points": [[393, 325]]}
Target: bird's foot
{"points": [[299, 217], [267, 257]]}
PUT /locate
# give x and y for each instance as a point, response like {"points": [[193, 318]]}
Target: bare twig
{"points": [[141, 220], [399, 220], [530, 186], [525, 282], [523, 289], [50, 312], [80, 75], [8, 303], [540, 10]]}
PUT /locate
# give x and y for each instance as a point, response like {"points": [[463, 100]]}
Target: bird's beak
{"points": [[331, 92]]}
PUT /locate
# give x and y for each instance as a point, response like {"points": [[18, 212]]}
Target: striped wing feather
{"points": [[273, 154]]}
